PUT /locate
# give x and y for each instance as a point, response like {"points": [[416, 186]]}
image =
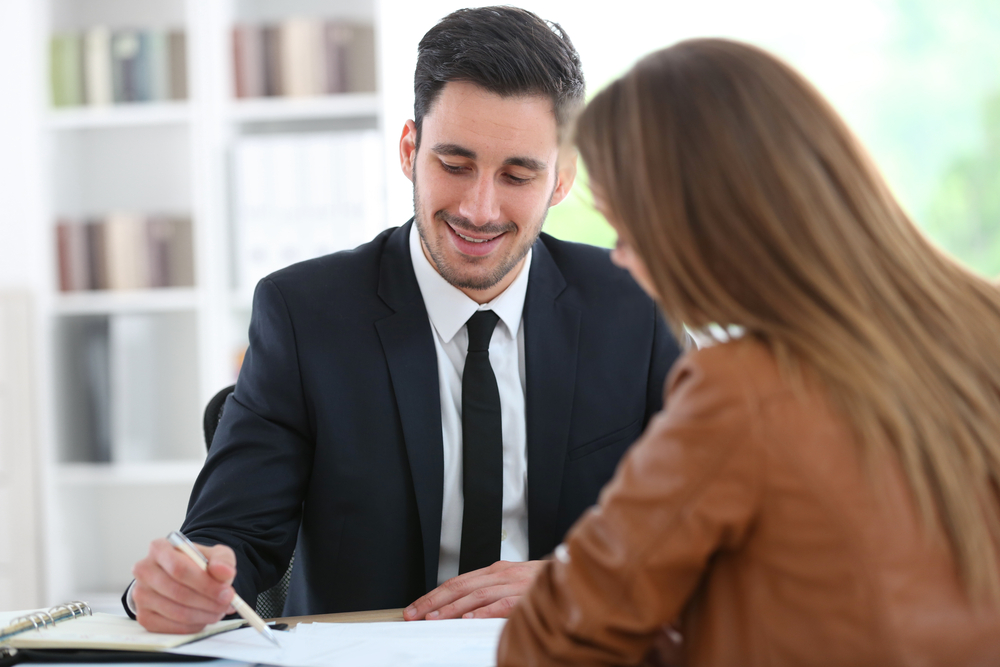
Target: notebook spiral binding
{"points": [[42, 619]]}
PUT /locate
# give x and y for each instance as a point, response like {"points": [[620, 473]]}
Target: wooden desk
{"points": [[376, 616]]}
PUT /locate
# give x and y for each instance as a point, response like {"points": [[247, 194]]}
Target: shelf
{"points": [[120, 115], [127, 372], [105, 474], [167, 299], [348, 105]]}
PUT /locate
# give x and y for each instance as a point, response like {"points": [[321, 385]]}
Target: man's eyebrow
{"points": [[455, 150], [529, 163]]}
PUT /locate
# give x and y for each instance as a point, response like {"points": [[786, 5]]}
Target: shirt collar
{"points": [[449, 308]]}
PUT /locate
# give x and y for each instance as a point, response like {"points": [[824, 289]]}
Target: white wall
{"points": [[23, 261]]}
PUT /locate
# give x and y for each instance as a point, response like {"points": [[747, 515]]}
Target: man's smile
{"points": [[475, 245]]}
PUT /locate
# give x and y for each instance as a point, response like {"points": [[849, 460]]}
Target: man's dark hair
{"points": [[507, 51]]}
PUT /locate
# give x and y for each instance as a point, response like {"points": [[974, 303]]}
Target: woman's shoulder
{"points": [[720, 389], [741, 366]]}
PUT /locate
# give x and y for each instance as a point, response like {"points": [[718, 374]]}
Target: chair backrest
{"points": [[271, 602], [213, 413]]}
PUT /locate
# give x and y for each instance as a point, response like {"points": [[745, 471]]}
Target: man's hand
{"points": [[172, 594], [487, 593]]}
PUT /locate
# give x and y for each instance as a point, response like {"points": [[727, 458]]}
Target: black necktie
{"points": [[482, 450]]}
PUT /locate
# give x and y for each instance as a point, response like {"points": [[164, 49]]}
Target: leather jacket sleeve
{"points": [[686, 491]]}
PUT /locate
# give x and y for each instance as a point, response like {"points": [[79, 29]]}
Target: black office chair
{"points": [[270, 603]]}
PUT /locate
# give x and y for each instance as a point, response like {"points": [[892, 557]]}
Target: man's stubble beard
{"points": [[450, 273]]}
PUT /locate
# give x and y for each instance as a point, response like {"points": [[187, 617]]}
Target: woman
{"points": [[822, 489]]}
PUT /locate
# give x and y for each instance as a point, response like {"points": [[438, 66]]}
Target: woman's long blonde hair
{"points": [[751, 203]]}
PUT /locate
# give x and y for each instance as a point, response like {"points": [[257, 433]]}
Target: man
{"points": [[444, 400]]}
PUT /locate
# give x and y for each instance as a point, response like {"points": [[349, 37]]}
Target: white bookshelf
{"points": [[346, 106], [164, 351], [118, 302], [122, 115]]}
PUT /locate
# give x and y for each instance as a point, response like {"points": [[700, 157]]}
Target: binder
{"points": [[75, 626]]}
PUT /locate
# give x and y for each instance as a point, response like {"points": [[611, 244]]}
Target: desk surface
{"points": [[376, 616]]}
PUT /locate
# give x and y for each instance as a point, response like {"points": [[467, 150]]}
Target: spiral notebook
{"points": [[73, 625]]}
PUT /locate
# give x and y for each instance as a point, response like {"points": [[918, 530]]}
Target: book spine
{"points": [[360, 58], [97, 66], [66, 70], [158, 51], [271, 47], [292, 58], [79, 259], [239, 61], [142, 69], [125, 47], [139, 253], [114, 248], [157, 233], [180, 254], [334, 47], [95, 361], [177, 40], [122, 243], [317, 58], [64, 253], [254, 41], [303, 63], [98, 253], [248, 61]]}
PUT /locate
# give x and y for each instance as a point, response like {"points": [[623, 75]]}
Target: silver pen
{"points": [[178, 539]]}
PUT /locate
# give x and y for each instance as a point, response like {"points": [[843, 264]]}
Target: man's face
{"points": [[488, 171]]}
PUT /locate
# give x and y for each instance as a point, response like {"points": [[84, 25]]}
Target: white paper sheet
{"points": [[455, 643]]}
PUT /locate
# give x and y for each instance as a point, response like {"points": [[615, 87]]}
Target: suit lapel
{"points": [[551, 337], [409, 351]]}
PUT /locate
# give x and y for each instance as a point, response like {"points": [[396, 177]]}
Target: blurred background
{"points": [[158, 157]]}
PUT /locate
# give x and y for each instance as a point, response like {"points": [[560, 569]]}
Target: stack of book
{"points": [[303, 57], [101, 66], [125, 251], [302, 195]]}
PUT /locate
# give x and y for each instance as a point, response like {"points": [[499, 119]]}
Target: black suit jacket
{"points": [[331, 444]]}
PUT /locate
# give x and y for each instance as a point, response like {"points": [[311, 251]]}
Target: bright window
{"points": [[917, 80]]}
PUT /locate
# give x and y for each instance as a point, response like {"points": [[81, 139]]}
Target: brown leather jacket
{"points": [[745, 514]]}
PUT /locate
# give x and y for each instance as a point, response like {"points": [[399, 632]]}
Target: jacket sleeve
{"points": [[687, 489], [249, 493]]}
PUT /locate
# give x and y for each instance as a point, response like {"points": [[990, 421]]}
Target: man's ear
{"points": [[408, 148], [565, 177]]}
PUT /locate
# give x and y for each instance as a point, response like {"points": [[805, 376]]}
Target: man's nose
{"points": [[481, 201]]}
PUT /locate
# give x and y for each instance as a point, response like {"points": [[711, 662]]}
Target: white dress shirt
{"points": [[449, 309]]}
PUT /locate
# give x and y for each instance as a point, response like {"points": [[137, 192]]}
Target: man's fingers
{"points": [[220, 554], [155, 608], [153, 584], [499, 609], [175, 576], [474, 590], [448, 592], [221, 568], [480, 598], [173, 594]]}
